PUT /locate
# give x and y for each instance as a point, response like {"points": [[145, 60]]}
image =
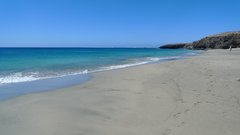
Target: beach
{"points": [[192, 96]]}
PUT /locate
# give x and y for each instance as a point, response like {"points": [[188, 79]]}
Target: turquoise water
{"points": [[24, 66]]}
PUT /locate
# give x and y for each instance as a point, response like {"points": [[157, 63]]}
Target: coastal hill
{"points": [[218, 41]]}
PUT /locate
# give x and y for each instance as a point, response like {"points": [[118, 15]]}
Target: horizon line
{"points": [[72, 47]]}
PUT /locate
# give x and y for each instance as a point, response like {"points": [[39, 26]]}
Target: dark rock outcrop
{"points": [[218, 41], [173, 46]]}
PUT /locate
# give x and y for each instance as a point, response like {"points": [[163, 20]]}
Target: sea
{"points": [[28, 70]]}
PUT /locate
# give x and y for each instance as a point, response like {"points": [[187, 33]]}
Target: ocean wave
{"points": [[164, 58], [192, 53], [119, 66], [17, 77], [33, 76], [141, 62]]}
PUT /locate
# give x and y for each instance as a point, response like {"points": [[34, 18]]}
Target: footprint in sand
{"points": [[177, 115], [167, 132], [224, 114], [112, 90], [210, 102], [181, 124], [197, 103], [208, 90], [198, 95], [186, 110]]}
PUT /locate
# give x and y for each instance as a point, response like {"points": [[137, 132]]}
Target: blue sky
{"points": [[113, 23]]}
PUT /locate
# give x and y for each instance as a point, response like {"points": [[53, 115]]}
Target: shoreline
{"points": [[12, 90], [130, 60], [186, 96]]}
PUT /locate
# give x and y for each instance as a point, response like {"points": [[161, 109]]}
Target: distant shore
{"points": [[196, 96], [224, 40]]}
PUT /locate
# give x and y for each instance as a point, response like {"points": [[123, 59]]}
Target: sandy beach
{"points": [[194, 96]]}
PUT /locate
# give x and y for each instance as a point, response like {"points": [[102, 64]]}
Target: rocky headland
{"points": [[173, 46], [218, 41]]}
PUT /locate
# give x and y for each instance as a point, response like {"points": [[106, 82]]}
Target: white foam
{"points": [[194, 53], [163, 58], [33, 76], [77, 73], [146, 61], [119, 66], [17, 77]]}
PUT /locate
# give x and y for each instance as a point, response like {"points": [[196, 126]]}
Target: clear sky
{"points": [[113, 23]]}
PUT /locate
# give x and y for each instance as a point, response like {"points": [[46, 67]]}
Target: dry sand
{"points": [[194, 96]]}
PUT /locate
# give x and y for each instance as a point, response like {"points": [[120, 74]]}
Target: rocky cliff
{"points": [[218, 41]]}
